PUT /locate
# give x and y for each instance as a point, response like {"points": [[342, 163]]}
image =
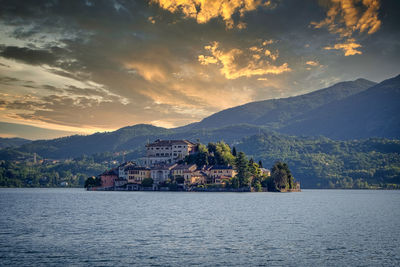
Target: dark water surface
{"points": [[310, 228]]}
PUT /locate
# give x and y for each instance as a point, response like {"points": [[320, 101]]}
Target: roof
{"points": [[184, 166], [126, 164], [221, 167], [137, 168], [164, 167], [169, 143], [113, 171]]}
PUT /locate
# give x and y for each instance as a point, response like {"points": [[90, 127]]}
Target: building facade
{"points": [[168, 151], [160, 173], [181, 169], [108, 178], [136, 174]]}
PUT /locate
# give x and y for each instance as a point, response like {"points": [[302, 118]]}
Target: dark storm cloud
{"points": [[27, 55]]}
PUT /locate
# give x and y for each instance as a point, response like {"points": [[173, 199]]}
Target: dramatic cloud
{"points": [[27, 55], [349, 48], [85, 66], [312, 63], [236, 63], [346, 17], [205, 10]]}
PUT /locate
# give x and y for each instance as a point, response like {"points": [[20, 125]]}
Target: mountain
{"points": [[130, 139], [31, 132], [346, 110], [76, 145], [275, 113], [320, 162], [12, 142], [370, 113]]}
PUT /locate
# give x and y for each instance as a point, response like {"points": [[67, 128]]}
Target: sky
{"points": [[79, 67]]}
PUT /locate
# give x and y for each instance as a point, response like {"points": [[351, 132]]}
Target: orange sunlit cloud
{"points": [[346, 17], [349, 48], [254, 65], [205, 10]]}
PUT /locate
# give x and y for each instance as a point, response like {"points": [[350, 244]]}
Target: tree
{"points": [[260, 164], [281, 177], [223, 155], [92, 181], [202, 155], [147, 182], [242, 169], [234, 151]]}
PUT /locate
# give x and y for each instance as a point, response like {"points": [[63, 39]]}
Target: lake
{"points": [[309, 228]]}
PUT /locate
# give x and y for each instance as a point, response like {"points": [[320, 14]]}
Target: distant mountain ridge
{"points": [[275, 112], [347, 110], [291, 129], [374, 112], [12, 142]]}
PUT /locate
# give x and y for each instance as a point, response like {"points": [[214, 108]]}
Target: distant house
{"points": [[181, 169], [136, 174], [222, 170], [108, 178], [160, 173], [265, 171], [195, 178], [168, 151], [122, 169], [120, 184]]}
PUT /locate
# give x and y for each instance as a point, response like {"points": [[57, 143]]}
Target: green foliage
{"points": [[147, 182], [242, 167], [325, 163], [92, 181], [213, 154], [48, 174], [281, 177]]}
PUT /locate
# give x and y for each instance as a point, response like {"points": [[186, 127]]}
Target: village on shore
{"points": [[181, 165]]}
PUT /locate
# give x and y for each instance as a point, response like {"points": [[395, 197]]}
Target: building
{"points": [[196, 177], [108, 178], [160, 173], [136, 174], [119, 184], [265, 172], [168, 151], [221, 170], [122, 169], [181, 169]]}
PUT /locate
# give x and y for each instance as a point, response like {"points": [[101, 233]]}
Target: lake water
{"points": [[309, 228]]}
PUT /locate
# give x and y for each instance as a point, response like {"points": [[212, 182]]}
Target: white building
{"points": [[161, 173], [168, 151]]}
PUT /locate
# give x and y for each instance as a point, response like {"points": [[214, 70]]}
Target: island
{"points": [[182, 165]]}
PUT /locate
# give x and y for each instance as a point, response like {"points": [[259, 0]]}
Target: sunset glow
{"points": [[80, 67]]}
